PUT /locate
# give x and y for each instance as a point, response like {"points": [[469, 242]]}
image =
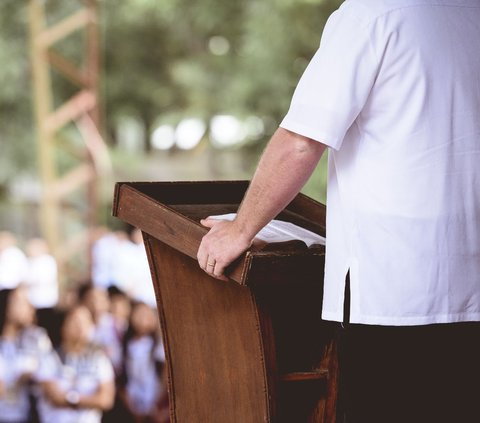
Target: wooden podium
{"points": [[250, 350]]}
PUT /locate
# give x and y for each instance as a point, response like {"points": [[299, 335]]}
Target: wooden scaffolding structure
{"points": [[83, 111]]}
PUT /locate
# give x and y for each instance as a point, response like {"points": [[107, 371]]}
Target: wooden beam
{"points": [[56, 188], [95, 145], [304, 376], [67, 69], [49, 211], [64, 28], [79, 104], [71, 181], [92, 59]]}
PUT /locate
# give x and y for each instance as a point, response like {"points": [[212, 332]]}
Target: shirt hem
{"points": [[404, 321], [309, 132]]}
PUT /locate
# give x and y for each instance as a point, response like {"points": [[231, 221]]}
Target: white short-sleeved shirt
{"points": [[83, 373], [103, 254], [106, 336], [394, 91], [142, 287], [14, 403], [13, 267], [143, 383], [42, 281], [18, 357]]}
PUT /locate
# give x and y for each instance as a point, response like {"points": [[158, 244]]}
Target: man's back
{"points": [[420, 124], [395, 92]]}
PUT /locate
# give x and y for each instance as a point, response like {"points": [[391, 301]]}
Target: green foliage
{"points": [[16, 129], [160, 61]]}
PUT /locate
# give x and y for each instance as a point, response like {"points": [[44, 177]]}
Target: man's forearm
{"points": [[285, 166]]}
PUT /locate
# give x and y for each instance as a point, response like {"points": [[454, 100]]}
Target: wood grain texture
{"points": [[214, 344], [250, 350]]}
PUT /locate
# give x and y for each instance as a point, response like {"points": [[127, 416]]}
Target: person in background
{"points": [[122, 273], [98, 304], [104, 251], [13, 263], [77, 379], [120, 260], [120, 309], [143, 287], [22, 348], [141, 385], [42, 280]]}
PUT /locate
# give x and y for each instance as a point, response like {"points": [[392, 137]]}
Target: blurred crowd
{"points": [[97, 356]]}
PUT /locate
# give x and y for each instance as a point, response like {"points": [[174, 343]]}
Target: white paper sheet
{"points": [[280, 231]]}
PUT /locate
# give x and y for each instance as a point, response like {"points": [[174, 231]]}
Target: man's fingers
{"points": [[214, 251], [217, 272], [215, 269], [220, 276], [202, 256], [209, 222]]}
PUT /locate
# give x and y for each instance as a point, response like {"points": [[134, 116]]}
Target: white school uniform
{"points": [[143, 383], [82, 373], [20, 356]]}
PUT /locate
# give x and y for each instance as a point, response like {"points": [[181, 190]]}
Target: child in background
{"points": [[104, 335], [120, 308], [141, 384], [42, 280], [77, 380], [23, 346]]}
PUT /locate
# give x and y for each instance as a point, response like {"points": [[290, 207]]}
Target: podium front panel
{"points": [[250, 350], [213, 346]]}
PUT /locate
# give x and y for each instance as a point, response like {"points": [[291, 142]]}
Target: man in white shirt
{"points": [[394, 93]]}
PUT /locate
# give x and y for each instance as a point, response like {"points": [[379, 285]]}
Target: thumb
{"points": [[209, 222]]}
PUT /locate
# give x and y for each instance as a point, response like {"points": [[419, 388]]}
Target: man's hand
{"points": [[220, 246], [285, 166]]}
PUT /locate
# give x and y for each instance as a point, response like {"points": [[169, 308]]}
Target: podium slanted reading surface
{"points": [[250, 350]]}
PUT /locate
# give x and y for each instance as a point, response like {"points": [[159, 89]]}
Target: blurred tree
{"points": [[16, 130], [202, 58], [169, 59], [17, 137]]}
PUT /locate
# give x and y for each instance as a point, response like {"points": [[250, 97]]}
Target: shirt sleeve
{"points": [[338, 80]]}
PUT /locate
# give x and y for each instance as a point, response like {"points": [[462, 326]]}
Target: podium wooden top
{"points": [[171, 213]]}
